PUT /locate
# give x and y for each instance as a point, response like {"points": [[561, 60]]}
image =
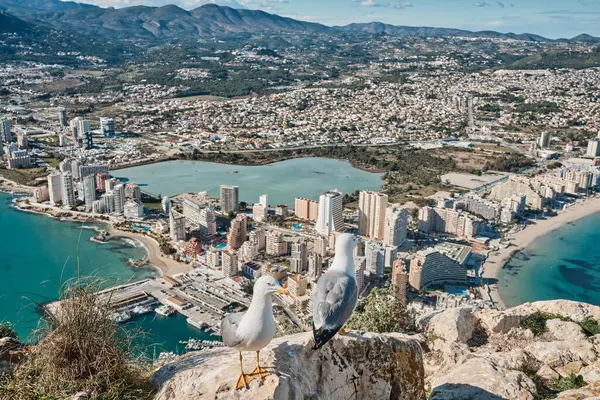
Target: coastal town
{"points": [[477, 159], [210, 250]]}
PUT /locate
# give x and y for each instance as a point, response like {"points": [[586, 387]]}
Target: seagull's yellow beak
{"points": [[283, 291]]}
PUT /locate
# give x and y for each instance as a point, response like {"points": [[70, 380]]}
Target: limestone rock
{"points": [[565, 330], [548, 373], [481, 379], [452, 325], [559, 353], [571, 309], [570, 368], [357, 366], [591, 373], [516, 359]]}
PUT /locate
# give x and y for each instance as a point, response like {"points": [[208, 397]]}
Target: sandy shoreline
{"points": [[154, 257], [520, 240], [166, 265]]}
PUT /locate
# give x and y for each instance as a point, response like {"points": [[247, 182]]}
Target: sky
{"points": [[550, 18]]}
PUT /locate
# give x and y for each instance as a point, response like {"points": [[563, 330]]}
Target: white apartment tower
{"points": [[207, 222], [229, 198], [372, 208], [68, 192], [119, 193], [330, 217], [55, 187], [177, 226], [593, 148], [107, 126], [89, 191], [396, 226], [264, 200]]}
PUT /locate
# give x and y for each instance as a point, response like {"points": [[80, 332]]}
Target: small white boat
{"points": [[165, 310]]}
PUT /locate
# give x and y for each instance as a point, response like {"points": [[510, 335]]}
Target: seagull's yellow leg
{"points": [[259, 371], [343, 331], [243, 380]]}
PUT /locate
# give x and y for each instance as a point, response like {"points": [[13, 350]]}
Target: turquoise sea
{"points": [[39, 254], [564, 264], [282, 181]]}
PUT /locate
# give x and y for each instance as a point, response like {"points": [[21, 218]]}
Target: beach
{"points": [[166, 265], [535, 229]]}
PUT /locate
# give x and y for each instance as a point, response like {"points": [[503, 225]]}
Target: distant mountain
{"points": [[164, 22], [11, 24], [396, 30], [144, 22]]}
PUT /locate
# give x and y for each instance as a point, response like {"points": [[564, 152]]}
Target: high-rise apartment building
{"points": [[107, 127], [396, 226], [101, 178], [213, 258], [68, 191], [321, 244], [276, 246], [133, 192], [133, 209], [119, 193], [299, 258], [259, 238], [109, 202], [259, 212], [330, 217], [593, 148], [229, 263], [88, 140], [306, 209], [177, 226], [229, 198], [315, 266], [544, 140], [372, 208], [400, 281], [448, 221], [89, 191], [375, 254], [22, 141], [62, 117], [55, 187], [237, 232], [5, 130], [264, 200], [75, 164], [208, 222], [432, 267], [83, 126]]}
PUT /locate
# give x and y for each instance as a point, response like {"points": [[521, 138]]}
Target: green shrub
{"points": [[590, 326], [535, 323], [568, 383]]}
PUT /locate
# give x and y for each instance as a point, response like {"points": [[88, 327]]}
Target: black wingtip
{"points": [[322, 336]]}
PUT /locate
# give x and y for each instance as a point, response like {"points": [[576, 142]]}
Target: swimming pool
{"points": [[221, 246]]}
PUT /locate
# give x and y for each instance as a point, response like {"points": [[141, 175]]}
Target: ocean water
{"points": [[38, 254], [282, 181], [564, 264]]}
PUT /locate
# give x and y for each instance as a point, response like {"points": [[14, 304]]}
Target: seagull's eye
{"points": [[270, 284]]}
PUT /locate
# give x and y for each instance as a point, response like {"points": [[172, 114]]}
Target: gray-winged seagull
{"points": [[253, 329], [336, 294]]}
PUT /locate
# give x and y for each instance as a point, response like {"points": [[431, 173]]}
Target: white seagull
{"points": [[253, 329], [336, 295]]}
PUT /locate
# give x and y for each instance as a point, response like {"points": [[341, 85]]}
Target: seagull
{"points": [[336, 294], [253, 329]]}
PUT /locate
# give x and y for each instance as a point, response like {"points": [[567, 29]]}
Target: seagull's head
{"points": [[345, 243], [267, 285]]}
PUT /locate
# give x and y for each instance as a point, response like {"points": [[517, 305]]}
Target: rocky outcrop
{"points": [[461, 353], [355, 366], [492, 357]]}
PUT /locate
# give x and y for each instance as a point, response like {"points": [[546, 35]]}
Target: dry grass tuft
{"points": [[81, 350]]}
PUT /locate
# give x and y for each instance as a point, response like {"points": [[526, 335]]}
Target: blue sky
{"points": [[550, 18]]}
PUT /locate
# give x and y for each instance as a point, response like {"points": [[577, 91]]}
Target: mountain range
{"points": [[172, 22]]}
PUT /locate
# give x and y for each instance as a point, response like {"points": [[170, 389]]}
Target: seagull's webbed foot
{"points": [[243, 382], [260, 372]]}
